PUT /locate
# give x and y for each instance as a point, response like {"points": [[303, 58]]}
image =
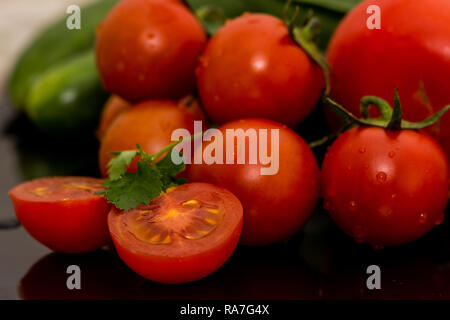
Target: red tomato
{"points": [[148, 49], [275, 206], [63, 213], [385, 187], [182, 236], [113, 107], [409, 52], [149, 124], [252, 68]]}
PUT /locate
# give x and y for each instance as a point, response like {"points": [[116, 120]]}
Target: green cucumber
{"points": [[68, 98], [54, 45]]}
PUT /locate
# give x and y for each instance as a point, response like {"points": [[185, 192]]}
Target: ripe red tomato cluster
{"points": [[382, 186]]}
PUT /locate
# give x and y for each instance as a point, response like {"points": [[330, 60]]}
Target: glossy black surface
{"points": [[319, 263]]}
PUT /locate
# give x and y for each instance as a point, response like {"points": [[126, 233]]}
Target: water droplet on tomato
{"points": [[362, 150], [381, 176], [353, 205], [392, 154], [423, 218]]}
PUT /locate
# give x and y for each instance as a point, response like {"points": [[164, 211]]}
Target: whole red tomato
{"points": [[253, 68], [385, 187], [148, 49], [275, 206], [113, 107], [149, 124], [409, 52]]}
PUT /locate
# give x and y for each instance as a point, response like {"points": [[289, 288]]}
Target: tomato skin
{"points": [[385, 188], [275, 206], [148, 49], [63, 225], [406, 53], [150, 124], [183, 261], [252, 68], [113, 107]]}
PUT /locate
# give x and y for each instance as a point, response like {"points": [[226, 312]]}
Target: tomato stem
{"points": [[306, 39], [396, 119], [382, 105], [169, 147], [391, 118]]}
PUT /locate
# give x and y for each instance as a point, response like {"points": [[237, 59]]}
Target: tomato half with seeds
{"points": [[63, 213], [183, 235], [385, 187]]}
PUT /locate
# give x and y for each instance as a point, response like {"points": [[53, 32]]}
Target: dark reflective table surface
{"points": [[319, 263]]}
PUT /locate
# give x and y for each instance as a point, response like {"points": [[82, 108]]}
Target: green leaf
{"points": [[168, 170], [118, 165], [135, 188], [166, 165]]}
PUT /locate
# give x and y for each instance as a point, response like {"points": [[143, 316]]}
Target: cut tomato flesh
{"points": [[59, 188], [63, 213], [166, 219], [181, 236]]}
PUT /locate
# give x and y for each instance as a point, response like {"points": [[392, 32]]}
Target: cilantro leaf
{"points": [[128, 190], [119, 164], [168, 170], [166, 165], [134, 188]]}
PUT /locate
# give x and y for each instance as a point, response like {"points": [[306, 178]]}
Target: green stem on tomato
{"points": [[390, 119], [305, 38], [382, 105], [169, 147], [395, 123]]}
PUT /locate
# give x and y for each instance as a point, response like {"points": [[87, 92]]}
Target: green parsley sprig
{"points": [[128, 190]]}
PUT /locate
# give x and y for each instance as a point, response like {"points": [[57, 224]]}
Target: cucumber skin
{"points": [[52, 46], [68, 98]]}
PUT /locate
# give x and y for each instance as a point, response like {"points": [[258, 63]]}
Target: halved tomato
{"points": [[183, 235], [63, 213]]}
